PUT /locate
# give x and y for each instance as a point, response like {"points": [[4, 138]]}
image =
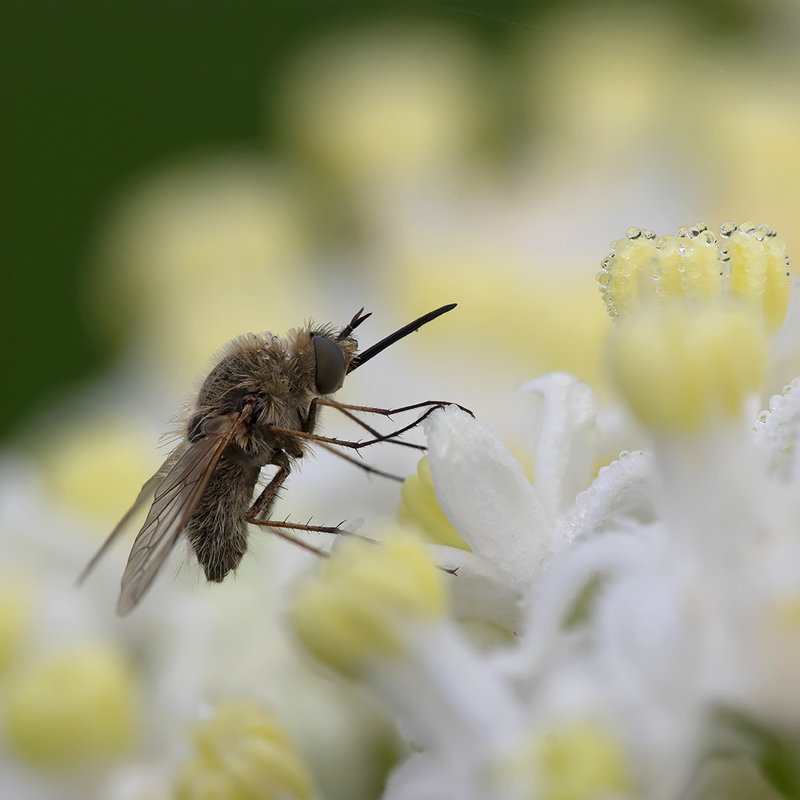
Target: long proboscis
{"points": [[401, 333]]}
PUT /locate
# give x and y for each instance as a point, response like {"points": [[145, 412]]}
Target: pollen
{"points": [[758, 271], [746, 263], [364, 602]]}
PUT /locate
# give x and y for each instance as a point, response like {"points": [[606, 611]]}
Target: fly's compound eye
{"points": [[330, 365]]}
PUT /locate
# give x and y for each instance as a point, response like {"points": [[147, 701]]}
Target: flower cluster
{"points": [[650, 604]]}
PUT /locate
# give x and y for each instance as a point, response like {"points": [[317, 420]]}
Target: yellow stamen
{"points": [[679, 367], [241, 753], [758, 274], [580, 763], [748, 264], [363, 601], [72, 708]]}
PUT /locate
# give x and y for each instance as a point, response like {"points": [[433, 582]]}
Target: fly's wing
{"points": [[145, 494], [176, 497]]}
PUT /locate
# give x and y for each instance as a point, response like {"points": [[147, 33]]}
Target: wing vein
{"points": [[175, 499]]}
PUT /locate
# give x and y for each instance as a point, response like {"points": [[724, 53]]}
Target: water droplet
{"points": [[727, 228], [649, 234], [762, 232], [663, 242], [633, 233]]}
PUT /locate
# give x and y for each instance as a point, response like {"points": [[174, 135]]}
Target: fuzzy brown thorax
{"points": [[280, 376]]}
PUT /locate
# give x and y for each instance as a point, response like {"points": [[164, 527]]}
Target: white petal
{"points": [[420, 777], [485, 495], [478, 589], [566, 438], [777, 433], [621, 495]]}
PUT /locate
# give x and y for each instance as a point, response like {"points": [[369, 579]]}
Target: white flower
{"points": [[658, 604], [511, 526]]}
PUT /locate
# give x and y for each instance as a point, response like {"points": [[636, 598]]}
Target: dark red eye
{"points": [[330, 365]]}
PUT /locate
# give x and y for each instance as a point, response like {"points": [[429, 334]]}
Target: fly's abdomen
{"points": [[217, 531]]}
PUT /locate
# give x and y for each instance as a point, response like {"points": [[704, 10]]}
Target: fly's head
{"points": [[332, 354]]}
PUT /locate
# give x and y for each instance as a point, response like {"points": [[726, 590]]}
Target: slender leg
{"points": [[277, 528], [263, 504], [360, 464], [343, 409], [352, 445], [386, 412]]}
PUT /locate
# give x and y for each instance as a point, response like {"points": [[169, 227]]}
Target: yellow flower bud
{"points": [[72, 708], [581, 762], [364, 600], [241, 753], [679, 367], [576, 761], [419, 507]]}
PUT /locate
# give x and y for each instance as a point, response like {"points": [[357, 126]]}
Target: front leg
{"points": [[321, 401], [389, 437]]}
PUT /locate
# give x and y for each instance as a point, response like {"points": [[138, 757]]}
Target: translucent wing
{"points": [[145, 494], [175, 499]]}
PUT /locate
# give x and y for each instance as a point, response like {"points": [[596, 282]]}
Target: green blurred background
{"points": [[95, 94]]}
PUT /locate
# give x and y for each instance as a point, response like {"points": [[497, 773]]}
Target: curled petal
{"points": [[566, 438], [777, 432], [622, 495], [485, 495]]}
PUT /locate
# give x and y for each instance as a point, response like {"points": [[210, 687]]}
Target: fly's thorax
{"points": [[249, 365], [281, 376]]}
